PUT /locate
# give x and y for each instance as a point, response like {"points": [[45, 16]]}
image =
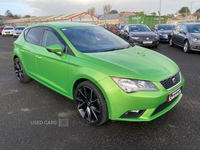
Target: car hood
{"points": [[164, 32], [17, 31], [194, 35], [7, 30], [134, 63], [143, 34]]}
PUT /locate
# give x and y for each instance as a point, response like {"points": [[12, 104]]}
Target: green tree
{"points": [[27, 16], [113, 12], [8, 13], [198, 10], [153, 13], [183, 15], [183, 10], [140, 13]]}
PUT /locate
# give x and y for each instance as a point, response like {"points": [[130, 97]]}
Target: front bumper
{"points": [[120, 102], [142, 43], [164, 38], [7, 33], [194, 46]]}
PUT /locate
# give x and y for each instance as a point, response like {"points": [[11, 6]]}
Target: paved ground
{"points": [[22, 104]]}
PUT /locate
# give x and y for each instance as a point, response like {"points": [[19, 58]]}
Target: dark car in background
{"points": [[1, 29], [18, 30], [187, 36], [140, 34], [119, 29], [163, 30]]}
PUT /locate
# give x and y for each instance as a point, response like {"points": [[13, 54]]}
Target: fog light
{"points": [[133, 114]]}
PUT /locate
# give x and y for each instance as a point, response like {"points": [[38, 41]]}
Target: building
{"points": [[121, 18], [4, 19], [74, 17]]}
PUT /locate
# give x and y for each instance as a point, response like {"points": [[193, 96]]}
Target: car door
{"points": [[53, 68], [29, 49], [175, 34], [182, 35]]}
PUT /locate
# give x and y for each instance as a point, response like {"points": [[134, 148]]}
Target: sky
{"points": [[56, 7]]}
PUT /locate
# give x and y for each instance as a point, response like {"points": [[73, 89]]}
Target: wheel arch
{"points": [[80, 80]]}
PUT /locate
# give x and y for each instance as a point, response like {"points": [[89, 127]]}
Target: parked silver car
{"points": [[18, 30]]}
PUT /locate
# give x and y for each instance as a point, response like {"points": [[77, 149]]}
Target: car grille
{"points": [[146, 38], [171, 82]]}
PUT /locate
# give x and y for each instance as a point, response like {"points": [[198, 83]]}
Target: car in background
{"points": [[8, 30], [163, 30], [119, 29], [1, 29], [107, 78], [18, 30], [187, 36], [140, 34]]}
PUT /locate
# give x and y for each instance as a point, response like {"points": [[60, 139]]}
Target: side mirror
{"points": [[57, 49], [182, 31]]}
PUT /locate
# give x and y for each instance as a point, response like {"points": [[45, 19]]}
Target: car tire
{"points": [[20, 72], [171, 42], [186, 47], [91, 103], [2, 35]]}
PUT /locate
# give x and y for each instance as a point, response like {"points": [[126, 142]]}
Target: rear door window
{"points": [[34, 35]]}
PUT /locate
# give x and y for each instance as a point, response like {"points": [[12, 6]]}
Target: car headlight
{"points": [[130, 85], [135, 38], [195, 40], [157, 37]]}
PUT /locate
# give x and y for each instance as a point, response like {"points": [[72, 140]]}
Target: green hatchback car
{"points": [[105, 76]]}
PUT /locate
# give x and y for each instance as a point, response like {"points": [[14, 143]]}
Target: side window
{"points": [[34, 35], [51, 38], [177, 27], [183, 28], [25, 32]]}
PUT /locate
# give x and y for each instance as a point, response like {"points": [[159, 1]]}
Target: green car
{"points": [[105, 76]]}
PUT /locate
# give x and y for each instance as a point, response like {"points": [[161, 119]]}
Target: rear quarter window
{"points": [[34, 35]]}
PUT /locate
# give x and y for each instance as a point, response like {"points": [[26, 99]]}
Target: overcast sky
{"points": [[56, 7]]}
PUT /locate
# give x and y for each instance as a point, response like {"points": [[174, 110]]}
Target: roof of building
{"points": [[4, 18], [109, 16]]}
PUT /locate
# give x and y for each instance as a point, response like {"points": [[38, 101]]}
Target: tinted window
{"points": [[194, 28], [93, 39], [25, 32], [50, 38], [165, 27], [183, 28], [139, 28], [34, 35], [21, 28], [8, 28]]}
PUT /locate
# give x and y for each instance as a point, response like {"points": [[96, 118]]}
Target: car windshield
{"points": [[93, 39], [139, 28], [21, 28], [8, 28], [166, 27], [193, 28]]}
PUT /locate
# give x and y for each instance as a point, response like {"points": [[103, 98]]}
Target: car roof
{"points": [[137, 24], [63, 24], [191, 23], [164, 24], [20, 26], [8, 27]]}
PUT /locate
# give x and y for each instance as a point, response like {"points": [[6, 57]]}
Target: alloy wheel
{"points": [[185, 48], [18, 70], [88, 104]]}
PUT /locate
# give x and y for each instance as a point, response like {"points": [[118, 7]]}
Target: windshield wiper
{"points": [[113, 49]]}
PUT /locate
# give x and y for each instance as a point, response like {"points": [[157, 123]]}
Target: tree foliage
{"points": [[113, 12], [153, 13], [140, 13], [183, 10], [27, 16], [91, 10], [183, 15], [106, 9], [8, 13], [198, 10]]}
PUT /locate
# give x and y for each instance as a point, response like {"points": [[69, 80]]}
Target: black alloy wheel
{"points": [[20, 72], [90, 103]]}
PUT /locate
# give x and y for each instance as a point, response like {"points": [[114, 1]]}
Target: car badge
{"points": [[173, 80]]}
